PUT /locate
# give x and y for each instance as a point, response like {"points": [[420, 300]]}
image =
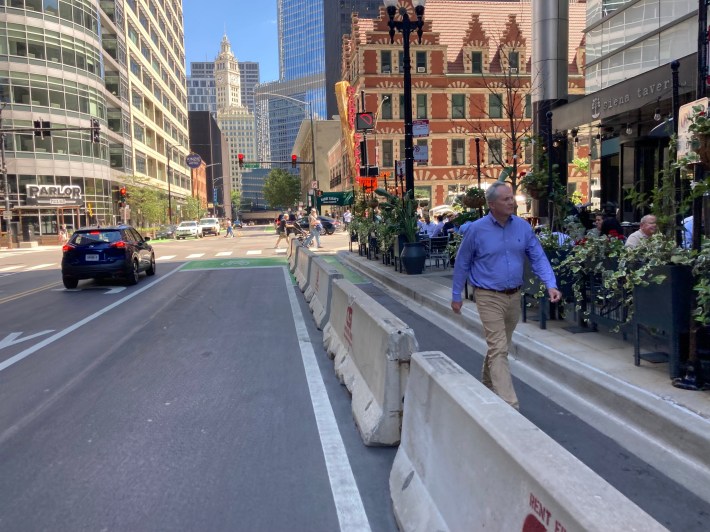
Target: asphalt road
{"points": [[200, 399]]}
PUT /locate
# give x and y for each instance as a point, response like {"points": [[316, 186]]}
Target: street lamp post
{"points": [[168, 152], [478, 160], [405, 26], [5, 183]]}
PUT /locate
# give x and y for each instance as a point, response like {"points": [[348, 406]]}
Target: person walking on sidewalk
{"points": [[230, 229], [491, 258], [282, 230], [315, 226]]}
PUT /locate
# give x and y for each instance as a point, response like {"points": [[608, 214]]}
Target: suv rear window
{"points": [[95, 237], [209, 221]]}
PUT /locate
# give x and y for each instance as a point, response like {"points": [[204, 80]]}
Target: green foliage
{"points": [[281, 189], [404, 213], [701, 271], [149, 205], [235, 197], [193, 209], [581, 164]]}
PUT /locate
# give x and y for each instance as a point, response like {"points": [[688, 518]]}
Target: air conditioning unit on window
{"points": [[386, 70], [421, 69], [513, 70]]}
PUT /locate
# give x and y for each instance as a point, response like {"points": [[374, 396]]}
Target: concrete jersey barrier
{"points": [[304, 257], [468, 461], [371, 348], [292, 253], [319, 289]]}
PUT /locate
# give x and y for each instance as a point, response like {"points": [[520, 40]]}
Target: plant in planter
{"points": [[474, 198], [535, 183], [701, 271], [404, 218]]}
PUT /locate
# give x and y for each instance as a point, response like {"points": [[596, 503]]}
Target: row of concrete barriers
{"points": [[466, 460]]}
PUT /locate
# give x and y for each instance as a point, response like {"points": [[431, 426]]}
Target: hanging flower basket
{"points": [[536, 192], [473, 203], [423, 203]]}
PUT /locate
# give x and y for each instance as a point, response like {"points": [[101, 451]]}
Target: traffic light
{"points": [[240, 157], [95, 130], [122, 195], [42, 128], [319, 193], [294, 160]]}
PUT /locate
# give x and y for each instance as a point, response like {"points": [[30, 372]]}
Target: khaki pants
{"points": [[499, 315]]}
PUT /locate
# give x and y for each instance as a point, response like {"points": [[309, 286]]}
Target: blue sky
{"points": [[250, 26]]}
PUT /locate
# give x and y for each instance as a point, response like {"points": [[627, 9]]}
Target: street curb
{"points": [[644, 422]]}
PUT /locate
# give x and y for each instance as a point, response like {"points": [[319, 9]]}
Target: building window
{"points": [[387, 153], [400, 61], [514, 60], [495, 151], [421, 62], [385, 61], [458, 152], [458, 106], [528, 105], [421, 106], [423, 143], [477, 62], [386, 109], [401, 106], [495, 106]]}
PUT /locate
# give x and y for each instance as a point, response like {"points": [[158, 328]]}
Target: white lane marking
{"points": [[280, 250], [348, 503], [40, 266], [8, 268], [14, 338], [166, 257], [47, 341], [224, 253], [195, 255], [254, 252]]}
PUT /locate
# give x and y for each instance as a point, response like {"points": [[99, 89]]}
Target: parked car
{"points": [[186, 229], [106, 252], [210, 226], [165, 231], [329, 224], [237, 223]]}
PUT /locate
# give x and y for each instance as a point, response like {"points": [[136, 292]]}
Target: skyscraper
{"points": [[201, 92]]}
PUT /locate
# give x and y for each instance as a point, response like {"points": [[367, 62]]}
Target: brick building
{"points": [[470, 79]]}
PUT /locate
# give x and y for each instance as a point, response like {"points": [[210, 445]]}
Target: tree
{"points": [[281, 189], [236, 198], [148, 204], [193, 208]]}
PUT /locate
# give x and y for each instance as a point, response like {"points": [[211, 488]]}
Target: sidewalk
{"points": [[591, 374]]}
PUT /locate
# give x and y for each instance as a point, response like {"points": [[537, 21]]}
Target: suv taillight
{"points": [[67, 247], [119, 244]]}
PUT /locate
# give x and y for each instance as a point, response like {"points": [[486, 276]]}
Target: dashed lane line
{"points": [[8, 268], [224, 254], [40, 266], [166, 257], [254, 252], [195, 255]]}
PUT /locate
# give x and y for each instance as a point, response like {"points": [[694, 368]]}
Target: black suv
{"points": [[106, 252]]}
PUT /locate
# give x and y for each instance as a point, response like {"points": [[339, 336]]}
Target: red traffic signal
{"points": [[122, 194], [240, 158], [294, 160]]}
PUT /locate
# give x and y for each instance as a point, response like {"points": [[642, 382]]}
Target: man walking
{"points": [[491, 257], [315, 227]]}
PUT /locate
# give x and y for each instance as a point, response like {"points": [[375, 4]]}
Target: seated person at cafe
{"points": [[647, 228], [438, 227], [428, 226], [610, 222]]}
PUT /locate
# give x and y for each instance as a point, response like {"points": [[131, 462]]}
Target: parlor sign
{"points": [[54, 195]]}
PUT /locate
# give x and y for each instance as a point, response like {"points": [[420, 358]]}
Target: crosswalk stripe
{"points": [[195, 255], [8, 268], [254, 252], [224, 253], [166, 257], [39, 266]]}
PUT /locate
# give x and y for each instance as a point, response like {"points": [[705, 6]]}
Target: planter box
{"points": [[665, 308]]}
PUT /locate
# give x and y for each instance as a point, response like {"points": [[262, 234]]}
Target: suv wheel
{"points": [[151, 269], [132, 277], [70, 282]]}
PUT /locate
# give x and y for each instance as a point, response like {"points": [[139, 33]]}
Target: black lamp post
{"points": [[405, 26]]}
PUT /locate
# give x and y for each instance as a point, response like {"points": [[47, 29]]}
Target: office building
{"points": [[201, 92], [65, 65]]}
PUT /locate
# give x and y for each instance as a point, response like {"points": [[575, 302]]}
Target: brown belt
{"points": [[507, 291]]}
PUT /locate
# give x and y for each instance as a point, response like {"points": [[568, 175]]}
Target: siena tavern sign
{"points": [[54, 195]]}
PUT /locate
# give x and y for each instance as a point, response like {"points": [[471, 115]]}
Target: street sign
{"points": [[364, 121], [420, 128], [193, 160], [252, 165], [368, 183], [421, 154], [314, 184], [7, 215]]}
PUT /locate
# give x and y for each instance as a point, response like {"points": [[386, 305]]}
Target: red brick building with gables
{"points": [[470, 79]]}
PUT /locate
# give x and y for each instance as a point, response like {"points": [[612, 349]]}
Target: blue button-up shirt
{"points": [[492, 256]]}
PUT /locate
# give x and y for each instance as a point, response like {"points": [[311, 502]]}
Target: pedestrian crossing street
{"points": [[20, 267]]}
